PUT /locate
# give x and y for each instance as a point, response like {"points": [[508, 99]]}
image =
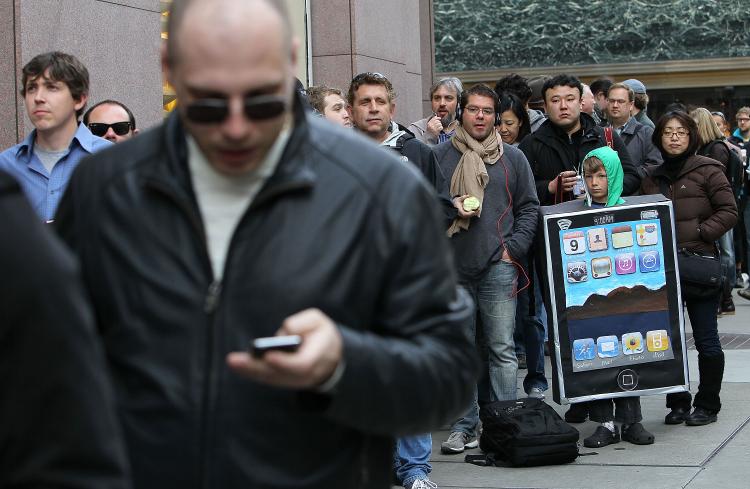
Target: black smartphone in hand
{"points": [[289, 343]]}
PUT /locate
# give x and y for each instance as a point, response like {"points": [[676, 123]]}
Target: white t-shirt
{"points": [[223, 199]]}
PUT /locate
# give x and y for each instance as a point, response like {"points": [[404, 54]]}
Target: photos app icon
{"points": [[632, 343]]}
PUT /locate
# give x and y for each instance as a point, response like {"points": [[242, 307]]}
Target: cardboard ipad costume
{"points": [[613, 299]]}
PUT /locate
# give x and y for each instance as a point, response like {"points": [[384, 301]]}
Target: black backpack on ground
{"points": [[526, 432]]}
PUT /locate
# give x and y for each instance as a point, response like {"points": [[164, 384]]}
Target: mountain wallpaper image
{"points": [[622, 300]]}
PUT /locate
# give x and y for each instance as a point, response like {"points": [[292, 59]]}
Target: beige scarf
{"points": [[470, 176]]}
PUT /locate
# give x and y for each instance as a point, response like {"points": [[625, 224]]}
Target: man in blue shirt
{"points": [[55, 89]]}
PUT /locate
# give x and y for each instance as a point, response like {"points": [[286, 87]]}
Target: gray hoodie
{"points": [[480, 246]]}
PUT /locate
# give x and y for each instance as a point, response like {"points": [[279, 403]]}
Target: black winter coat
{"points": [[341, 226], [421, 155], [59, 428], [551, 151]]}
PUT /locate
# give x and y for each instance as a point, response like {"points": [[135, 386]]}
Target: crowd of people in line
{"points": [[408, 272]]}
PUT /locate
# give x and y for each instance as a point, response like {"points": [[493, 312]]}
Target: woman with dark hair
{"points": [[704, 210], [514, 124]]}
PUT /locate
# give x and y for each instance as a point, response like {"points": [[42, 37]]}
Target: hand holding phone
{"points": [[311, 359]]}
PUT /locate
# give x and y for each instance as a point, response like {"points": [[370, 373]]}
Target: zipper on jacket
{"points": [[212, 297], [210, 305]]}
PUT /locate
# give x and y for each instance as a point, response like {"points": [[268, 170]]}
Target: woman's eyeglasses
{"points": [[680, 133]]}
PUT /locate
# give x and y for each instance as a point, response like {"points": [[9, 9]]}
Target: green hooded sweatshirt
{"points": [[613, 167]]}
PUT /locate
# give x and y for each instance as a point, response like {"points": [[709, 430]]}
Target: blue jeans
{"points": [[728, 263], [493, 294], [412, 458], [746, 218], [533, 336]]}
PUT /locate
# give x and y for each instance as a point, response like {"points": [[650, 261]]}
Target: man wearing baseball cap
{"points": [[640, 103]]}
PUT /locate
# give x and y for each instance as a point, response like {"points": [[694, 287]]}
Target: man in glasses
{"points": [[636, 136], [55, 90], [244, 217], [489, 238], [741, 138], [111, 120]]}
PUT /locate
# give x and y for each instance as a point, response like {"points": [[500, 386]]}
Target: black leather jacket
{"points": [[59, 428], [341, 226]]}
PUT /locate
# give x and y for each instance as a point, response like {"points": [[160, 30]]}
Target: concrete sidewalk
{"points": [[712, 456]]}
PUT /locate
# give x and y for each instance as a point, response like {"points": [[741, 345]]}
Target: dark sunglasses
{"points": [[215, 110], [100, 129]]}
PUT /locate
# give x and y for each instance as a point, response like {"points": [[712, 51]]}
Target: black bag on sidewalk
{"points": [[527, 432]]}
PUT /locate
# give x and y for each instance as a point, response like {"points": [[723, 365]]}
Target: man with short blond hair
{"points": [[741, 137], [329, 102]]}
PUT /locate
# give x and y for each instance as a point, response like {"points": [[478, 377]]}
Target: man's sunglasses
{"points": [[216, 110], [100, 129]]}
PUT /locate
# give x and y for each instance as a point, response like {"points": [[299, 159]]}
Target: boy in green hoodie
{"points": [[602, 175]]}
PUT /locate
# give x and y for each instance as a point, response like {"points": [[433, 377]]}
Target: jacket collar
{"points": [[549, 131], [691, 163], [738, 135], [294, 171], [82, 137], [630, 126]]}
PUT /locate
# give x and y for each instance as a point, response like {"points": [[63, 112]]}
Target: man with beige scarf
{"points": [[488, 242]]}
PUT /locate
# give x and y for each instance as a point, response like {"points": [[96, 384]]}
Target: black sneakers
{"points": [[602, 437], [700, 417], [677, 415]]}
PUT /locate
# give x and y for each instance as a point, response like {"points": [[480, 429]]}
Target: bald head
{"points": [[219, 16], [226, 56]]}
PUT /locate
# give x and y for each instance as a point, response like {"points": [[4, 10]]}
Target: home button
{"points": [[627, 379]]}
